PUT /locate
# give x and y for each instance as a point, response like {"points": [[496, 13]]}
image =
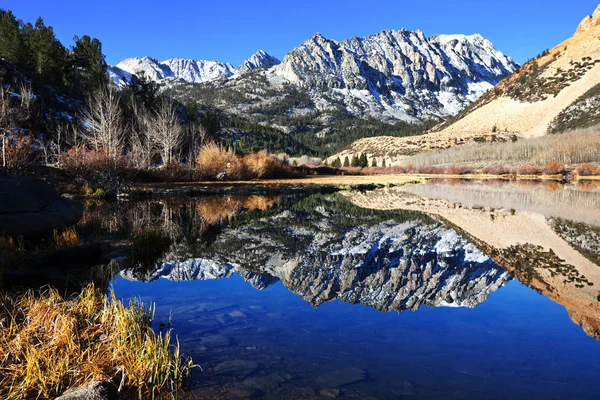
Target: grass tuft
{"points": [[149, 245], [50, 344]]}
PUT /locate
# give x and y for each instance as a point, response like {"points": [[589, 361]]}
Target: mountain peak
{"points": [[589, 22], [260, 59]]}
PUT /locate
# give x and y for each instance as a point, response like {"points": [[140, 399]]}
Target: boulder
{"points": [[93, 391], [29, 206]]}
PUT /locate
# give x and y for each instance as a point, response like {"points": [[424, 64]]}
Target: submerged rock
{"points": [[239, 392], [333, 393], [264, 383], [236, 367], [215, 341], [341, 377]]}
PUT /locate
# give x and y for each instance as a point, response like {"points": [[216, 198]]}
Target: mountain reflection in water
{"points": [[291, 295]]}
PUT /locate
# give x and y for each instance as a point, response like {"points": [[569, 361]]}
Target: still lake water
{"points": [[447, 290]]}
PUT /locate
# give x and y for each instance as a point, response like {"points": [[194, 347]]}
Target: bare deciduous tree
{"points": [[13, 113], [104, 122], [142, 142], [166, 131]]}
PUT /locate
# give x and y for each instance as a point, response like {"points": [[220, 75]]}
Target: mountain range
{"points": [[392, 75], [188, 70]]}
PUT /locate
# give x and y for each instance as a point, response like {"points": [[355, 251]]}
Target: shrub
{"points": [[20, 152], [496, 170], [81, 160], [587, 169], [529, 170], [262, 165], [213, 160], [458, 170], [429, 169], [554, 168]]}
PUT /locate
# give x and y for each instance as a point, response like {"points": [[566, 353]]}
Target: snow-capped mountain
{"points": [[389, 76], [188, 70], [198, 71], [260, 59], [400, 73]]}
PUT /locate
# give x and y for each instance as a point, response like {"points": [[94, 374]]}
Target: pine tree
{"points": [[336, 163], [362, 161], [347, 162], [383, 163], [374, 163], [355, 161], [89, 63], [12, 40], [48, 55]]}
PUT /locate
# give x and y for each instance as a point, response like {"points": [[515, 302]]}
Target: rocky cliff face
{"points": [[408, 74], [388, 265], [589, 22]]}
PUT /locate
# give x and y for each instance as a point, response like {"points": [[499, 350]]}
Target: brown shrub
{"points": [[554, 168], [81, 160], [587, 169], [20, 152], [429, 170], [496, 170], [529, 170], [262, 165], [213, 160], [458, 170]]}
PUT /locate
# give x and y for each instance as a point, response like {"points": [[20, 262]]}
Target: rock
{"points": [[215, 341], [333, 393], [93, 391], [239, 392], [236, 367], [264, 383], [237, 314], [29, 206], [341, 377]]}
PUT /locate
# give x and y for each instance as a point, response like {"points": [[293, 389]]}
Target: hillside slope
{"points": [[552, 92]]}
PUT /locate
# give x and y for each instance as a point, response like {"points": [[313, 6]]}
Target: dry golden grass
{"points": [[574, 147], [50, 344], [66, 237]]}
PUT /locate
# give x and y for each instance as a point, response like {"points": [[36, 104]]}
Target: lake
{"points": [[446, 290]]}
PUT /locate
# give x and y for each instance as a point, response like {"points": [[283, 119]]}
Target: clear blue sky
{"points": [[232, 30]]}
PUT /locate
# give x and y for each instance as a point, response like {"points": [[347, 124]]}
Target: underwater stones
{"points": [[264, 383], [240, 392], [237, 314], [236, 367], [341, 377], [333, 393], [215, 341]]}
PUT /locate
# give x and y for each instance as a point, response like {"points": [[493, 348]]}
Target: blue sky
{"points": [[232, 30]]}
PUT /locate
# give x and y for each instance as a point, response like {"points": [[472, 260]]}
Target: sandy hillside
{"points": [[524, 104]]}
